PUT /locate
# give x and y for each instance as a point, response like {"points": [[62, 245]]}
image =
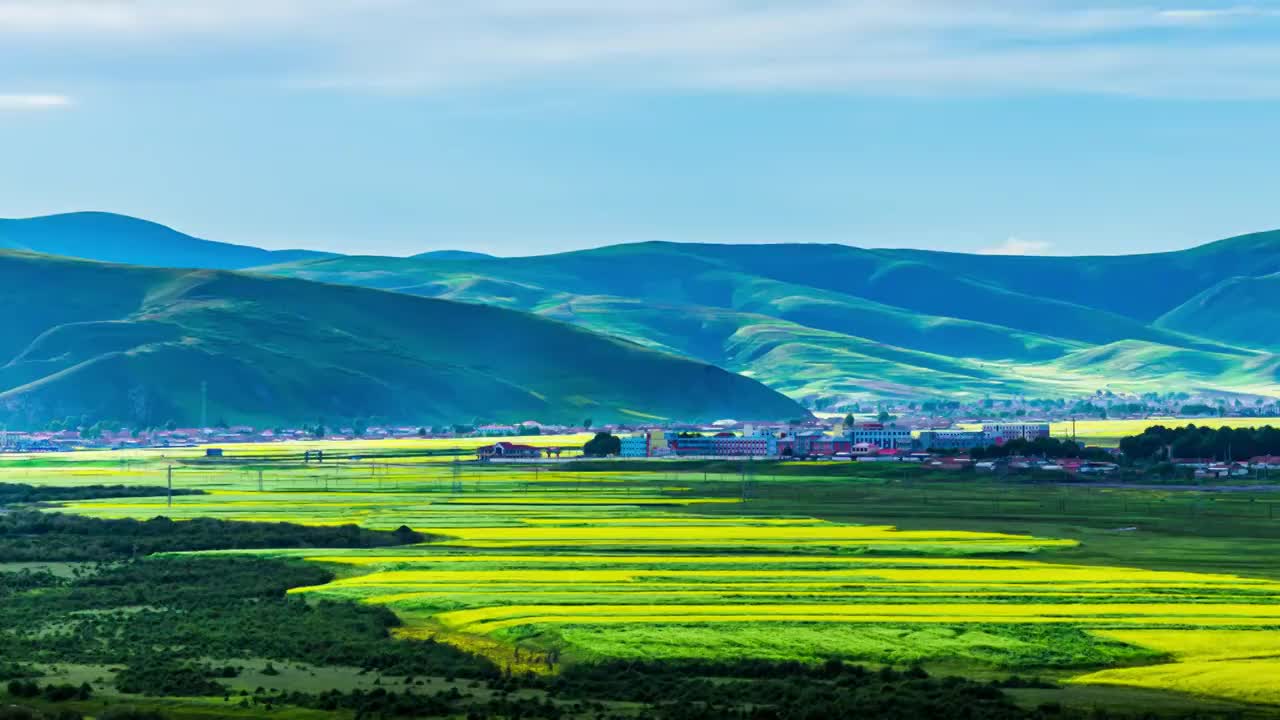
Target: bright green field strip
{"points": [[1009, 646], [487, 620]]}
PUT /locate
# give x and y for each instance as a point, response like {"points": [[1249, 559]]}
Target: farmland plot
{"points": [[537, 568]]}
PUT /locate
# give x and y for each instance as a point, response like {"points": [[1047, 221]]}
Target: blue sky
{"points": [[528, 126]]}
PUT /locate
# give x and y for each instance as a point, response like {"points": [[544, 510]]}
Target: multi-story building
{"points": [[952, 439], [724, 445], [659, 443], [635, 446], [889, 437], [819, 445], [1001, 433], [780, 445]]}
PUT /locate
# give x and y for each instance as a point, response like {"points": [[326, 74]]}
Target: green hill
{"points": [[822, 322], [121, 239], [134, 344], [826, 322], [1241, 310], [1141, 287]]}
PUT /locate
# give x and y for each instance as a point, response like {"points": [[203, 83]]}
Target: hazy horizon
{"points": [[1012, 248]]}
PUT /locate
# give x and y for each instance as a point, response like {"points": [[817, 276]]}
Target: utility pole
{"points": [[204, 404], [170, 474]]}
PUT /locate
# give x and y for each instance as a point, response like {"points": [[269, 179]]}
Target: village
{"points": [[962, 446], [871, 442]]}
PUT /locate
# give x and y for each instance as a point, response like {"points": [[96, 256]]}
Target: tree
{"points": [[602, 445], [359, 427], [422, 432], [884, 416], [586, 424], [94, 431], [848, 420]]}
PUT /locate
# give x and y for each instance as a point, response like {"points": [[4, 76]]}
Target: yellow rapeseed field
{"points": [[1047, 575], [1203, 644], [1256, 681], [1238, 664], [664, 560]]}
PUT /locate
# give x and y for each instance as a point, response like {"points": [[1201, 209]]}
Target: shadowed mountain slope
{"points": [[135, 344]]}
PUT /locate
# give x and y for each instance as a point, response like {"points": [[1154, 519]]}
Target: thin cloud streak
{"points": [[34, 102], [1018, 246], [906, 47]]}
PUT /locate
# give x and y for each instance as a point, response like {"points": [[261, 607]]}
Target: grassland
{"points": [[543, 567]]}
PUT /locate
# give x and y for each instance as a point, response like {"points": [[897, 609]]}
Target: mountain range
{"points": [[826, 323], [829, 324]]}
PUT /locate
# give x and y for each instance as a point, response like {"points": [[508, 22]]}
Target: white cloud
{"points": [[1018, 246], [33, 102], [870, 46]]}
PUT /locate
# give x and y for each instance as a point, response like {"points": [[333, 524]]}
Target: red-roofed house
{"points": [[507, 450]]}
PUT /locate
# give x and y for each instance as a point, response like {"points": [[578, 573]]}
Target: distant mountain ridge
{"points": [[832, 322], [133, 344], [828, 323], [452, 255], [108, 237]]}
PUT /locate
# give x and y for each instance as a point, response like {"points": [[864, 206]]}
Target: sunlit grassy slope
{"points": [[135, 344], [832, 320]]}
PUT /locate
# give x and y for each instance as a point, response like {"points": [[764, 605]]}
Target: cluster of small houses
{"points": [[862, 442], [1210, 468]]}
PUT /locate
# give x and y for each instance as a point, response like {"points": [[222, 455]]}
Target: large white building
{"points": [[952, 439], [1000, 433]]}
